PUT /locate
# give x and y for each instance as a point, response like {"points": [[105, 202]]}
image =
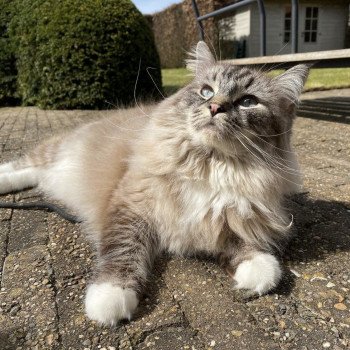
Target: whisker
{"points": [[269, 156], [125, 128], [147, 70], [271, 160], [258, 136], [135, 86], [282, 133], [281, 49], [262, 163]]}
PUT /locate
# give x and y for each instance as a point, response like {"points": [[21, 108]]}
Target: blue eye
{"points": [[248, 101], [207, 92]]}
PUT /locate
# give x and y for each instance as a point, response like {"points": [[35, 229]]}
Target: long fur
{"points": [[174, 177]]}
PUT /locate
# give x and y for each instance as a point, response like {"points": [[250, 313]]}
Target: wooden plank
{"points": [[332, 58]]}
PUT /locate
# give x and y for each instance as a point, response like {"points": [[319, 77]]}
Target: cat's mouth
{"points": [[211, 124], [210, 130]]}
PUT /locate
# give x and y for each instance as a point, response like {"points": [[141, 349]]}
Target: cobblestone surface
{"points": [[45, 263]]}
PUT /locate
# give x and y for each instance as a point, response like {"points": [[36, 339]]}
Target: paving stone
{"points": [[169, 339], [210, 305], [4, 234], [5, 214], [28, 312], [28, 228]]}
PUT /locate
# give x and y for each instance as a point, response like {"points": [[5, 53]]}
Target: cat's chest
{"points": [[199, 200], [192, 211], [196, 217]]}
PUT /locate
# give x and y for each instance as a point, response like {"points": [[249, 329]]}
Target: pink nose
{"points": [[215, 109]]}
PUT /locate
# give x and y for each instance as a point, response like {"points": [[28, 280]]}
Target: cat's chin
{"points": [[210, 135], [213, 138]]}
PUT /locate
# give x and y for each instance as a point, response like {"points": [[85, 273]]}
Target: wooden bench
{"points": [[319, 59]]}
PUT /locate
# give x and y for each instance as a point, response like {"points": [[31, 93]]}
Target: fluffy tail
{"points": [[18, 175]]}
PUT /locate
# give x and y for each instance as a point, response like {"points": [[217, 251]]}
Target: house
{"points": [[323, 25]]}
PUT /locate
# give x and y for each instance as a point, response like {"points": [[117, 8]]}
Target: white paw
{"points": [[18, 180], [259, 274], [108, 304], [6, 167], [5, 183]]}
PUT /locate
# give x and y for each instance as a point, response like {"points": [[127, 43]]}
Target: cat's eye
{"points": [[248, 101], [207, 92]]}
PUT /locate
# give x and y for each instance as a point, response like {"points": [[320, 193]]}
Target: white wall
{"points": [[274, 30], [332, 23], [236, 27]]}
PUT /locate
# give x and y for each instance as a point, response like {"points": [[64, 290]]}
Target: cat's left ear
{"points": [[199, 58], [291, 83]]}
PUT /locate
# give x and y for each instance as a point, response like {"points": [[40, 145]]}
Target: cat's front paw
{"points": [[108, 304], [259, 274]]}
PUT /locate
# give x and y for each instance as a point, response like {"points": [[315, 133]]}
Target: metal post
{"points": [[200, 26], [233, 7], [262, 15], [295, 25]]}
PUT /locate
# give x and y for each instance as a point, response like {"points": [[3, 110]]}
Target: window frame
{"points": [[311, 24], [287, 19]]}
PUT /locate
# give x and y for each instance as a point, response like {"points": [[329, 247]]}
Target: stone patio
{"points": [[46, 262]]}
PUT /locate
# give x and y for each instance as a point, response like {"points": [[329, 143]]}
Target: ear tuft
{"points": [[291, 82], [199, 58]]}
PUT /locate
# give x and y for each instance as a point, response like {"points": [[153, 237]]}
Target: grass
{"points": [[319, 79], [174, 78]]}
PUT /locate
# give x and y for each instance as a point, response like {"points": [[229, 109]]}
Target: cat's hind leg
{"points": [[16, 176], [126, 250]]}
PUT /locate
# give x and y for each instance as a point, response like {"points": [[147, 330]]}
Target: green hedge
{"points": [[8, 71], [83, 53]]}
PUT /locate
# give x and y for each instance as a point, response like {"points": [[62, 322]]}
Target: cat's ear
{"points": [[291, 83], [199, 58]]}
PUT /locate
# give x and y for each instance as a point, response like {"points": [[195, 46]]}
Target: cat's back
{"points": [[117, 127], [92, 159]]}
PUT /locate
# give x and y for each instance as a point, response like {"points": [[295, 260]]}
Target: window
{"points": [[287, 24], [311, 23]]}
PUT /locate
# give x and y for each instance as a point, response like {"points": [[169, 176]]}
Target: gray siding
{"points": [[274, 30], [331, 30], [236, 28], [332, 22]]}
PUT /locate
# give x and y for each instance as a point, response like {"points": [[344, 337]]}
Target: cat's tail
{"points": [[18, 175]]}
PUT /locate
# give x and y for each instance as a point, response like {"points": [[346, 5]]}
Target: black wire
{"points": [[41, 206]]}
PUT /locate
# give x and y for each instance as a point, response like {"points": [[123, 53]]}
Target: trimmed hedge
{"points": [[83, 53], [176, 30], [8, 71]]}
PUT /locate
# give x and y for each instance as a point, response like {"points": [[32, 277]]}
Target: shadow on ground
{"points": [[321, 230], [333, 109], [5, 342]]}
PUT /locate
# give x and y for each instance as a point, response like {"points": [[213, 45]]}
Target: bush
{"points": [[82, 53], [8, 71]]}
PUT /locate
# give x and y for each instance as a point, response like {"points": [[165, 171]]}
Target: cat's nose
{"points": [[215, 109]]}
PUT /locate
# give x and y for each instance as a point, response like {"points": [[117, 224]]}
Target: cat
{"points": [[204, 171]]}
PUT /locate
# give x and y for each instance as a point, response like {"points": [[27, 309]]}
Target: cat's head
{"points": [[224, 104]]}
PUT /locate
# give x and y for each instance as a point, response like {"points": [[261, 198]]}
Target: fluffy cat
{"points": [[205, 171]]}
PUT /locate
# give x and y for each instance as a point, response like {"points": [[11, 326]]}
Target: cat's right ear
{"points": [[199, 58], [290, 84]]}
